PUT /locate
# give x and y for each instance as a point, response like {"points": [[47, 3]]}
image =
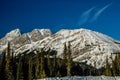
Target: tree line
{"points": [[42, 63]]}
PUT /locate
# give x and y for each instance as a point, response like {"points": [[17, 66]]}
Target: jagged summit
{"points": [[17, 39], [38, 34], [13, 34], [10, 36], [86, 45], [87, 32]]}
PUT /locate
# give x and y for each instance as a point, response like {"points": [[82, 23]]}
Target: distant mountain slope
{"points": [[86, 45], [17, 39]]}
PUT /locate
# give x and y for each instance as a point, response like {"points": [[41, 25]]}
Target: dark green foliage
{"points": [[37, 65], [116, 65], [8, 71], [2, 67], [47, 64], [108, 68], [19, 74], [69, 60]]}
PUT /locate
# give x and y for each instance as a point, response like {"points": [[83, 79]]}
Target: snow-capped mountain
{"points": [[17, 39], [38, 34], [10, 36], [86, 45]]}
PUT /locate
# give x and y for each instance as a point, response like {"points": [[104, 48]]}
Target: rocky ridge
{"points": [[87, 46]]}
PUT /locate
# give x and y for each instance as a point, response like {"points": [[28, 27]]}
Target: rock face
{"points": [[10, 36], [86, 45], [38, 34], [18, 40]]}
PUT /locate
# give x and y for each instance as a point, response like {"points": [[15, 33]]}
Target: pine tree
{"points": [[58, 74], [37, 65], [49, 63], [107, 69], [58, 64], [82, 70], [117, 61], [69, 60], [65, 53], [116, 65], [42, 71], [113, 68], [94, 71], [8, 71], [65, 58], [119, 64], [54, 62], [2, 67], [19, 74], [30, 77]]}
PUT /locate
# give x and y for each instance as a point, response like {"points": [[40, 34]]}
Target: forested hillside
{"points": [[46, 64]]}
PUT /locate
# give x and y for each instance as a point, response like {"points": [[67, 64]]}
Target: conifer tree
{"points": [[2, 67], [30, 77], [94, 71], [54, 62], [65, 57], [113, 67], [42, 71], [69, 60], [8, 71], [49, 63], [37, 65], [19, 74], [65, 53], [82, 70], [118, 64], [58, 64], [107, 69], [58, 74]]}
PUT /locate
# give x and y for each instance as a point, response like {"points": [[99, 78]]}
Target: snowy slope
{"points": [[86, 45], [17, 39], [9, 37], [38, 34]]}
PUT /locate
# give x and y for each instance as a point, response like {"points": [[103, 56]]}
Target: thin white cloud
{"points": [[99, 12], [85, 16]]}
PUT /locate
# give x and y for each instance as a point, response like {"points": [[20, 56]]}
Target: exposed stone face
{"points": [[86, 46], [10, 36], [17, 39], [38, 34], [20, 41]]}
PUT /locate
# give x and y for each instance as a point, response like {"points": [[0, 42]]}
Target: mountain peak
{"points": [[86, 45], [14, 33]]}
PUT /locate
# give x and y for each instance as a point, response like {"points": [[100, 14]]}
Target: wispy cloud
{"points": [[99, 12], [85, 16]]}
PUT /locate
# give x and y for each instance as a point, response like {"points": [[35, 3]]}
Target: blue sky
{"points": [[99, 15]]}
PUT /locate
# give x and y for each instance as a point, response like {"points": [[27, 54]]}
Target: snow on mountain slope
{"points": [[86, 45], [13, 34], [38, 34], [9, 37], [17, 39]]}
